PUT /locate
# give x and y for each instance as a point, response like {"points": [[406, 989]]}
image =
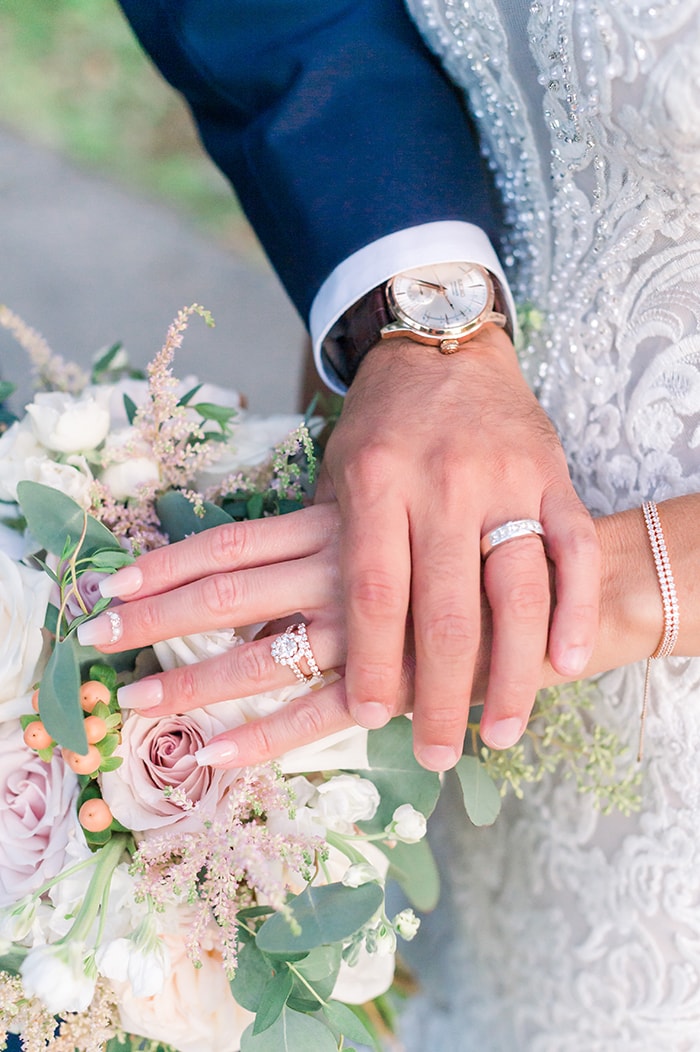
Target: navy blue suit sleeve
{"points": [[330, 118]]}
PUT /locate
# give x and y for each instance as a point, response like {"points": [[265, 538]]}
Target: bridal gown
{"points": [[561, 930]]}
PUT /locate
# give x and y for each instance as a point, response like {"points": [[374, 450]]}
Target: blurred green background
{"points": [[73, 78]]}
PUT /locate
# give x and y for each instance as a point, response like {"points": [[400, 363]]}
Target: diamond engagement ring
{"points": [[509, 531], [289, 649]]}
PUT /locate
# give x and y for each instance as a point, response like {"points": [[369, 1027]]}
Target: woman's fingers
{"points": [[241, 672], [222, 600], [234, 546]]}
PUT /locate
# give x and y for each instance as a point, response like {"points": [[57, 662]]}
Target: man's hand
{"points": [[431, 451]]}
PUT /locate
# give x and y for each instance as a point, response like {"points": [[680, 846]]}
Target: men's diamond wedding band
{"points": [[291, 647], [509, 531]]}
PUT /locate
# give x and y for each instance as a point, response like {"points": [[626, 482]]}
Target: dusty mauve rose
{"points": [[37, 815], [24, 595], [158, 755]]}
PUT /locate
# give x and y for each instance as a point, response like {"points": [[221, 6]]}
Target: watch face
{"points": [[443, 299]]}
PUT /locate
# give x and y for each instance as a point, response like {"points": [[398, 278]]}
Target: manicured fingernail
{"points": [[574, 660], [143, 694], [101, 631], [122, 583], [371, 715], [217, 754], [437, 757], [504, 733]]}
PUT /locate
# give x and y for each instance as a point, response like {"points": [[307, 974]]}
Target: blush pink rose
{"points": [[37, 815], [160, 774]]}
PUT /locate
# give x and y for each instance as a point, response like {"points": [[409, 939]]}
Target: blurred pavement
{"points": [[88, 264]]}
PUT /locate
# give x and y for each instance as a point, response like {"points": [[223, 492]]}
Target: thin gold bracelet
{"points": [[669, 599]]}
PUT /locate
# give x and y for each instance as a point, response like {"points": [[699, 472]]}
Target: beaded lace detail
{"points": [[565, 931]]}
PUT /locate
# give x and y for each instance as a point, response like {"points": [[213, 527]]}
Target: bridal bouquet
{"points": [[145, 902]]}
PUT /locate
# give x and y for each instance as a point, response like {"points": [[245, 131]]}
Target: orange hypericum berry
{"points": [[95, 729], [35, 700], [36, 736], [87, 764], [92, 692], [95, 816]]}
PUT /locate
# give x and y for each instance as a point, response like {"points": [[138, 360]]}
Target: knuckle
{"points": [[306, 720], [438, 723], [261, 741], [528, 601], [450, 635], [219, 593], [372, 467], [377, 595], [230, 543], [147, 619], [252, 663], [374, 681], [185, 691]]}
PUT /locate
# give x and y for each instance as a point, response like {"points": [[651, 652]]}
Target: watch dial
{"points": [[441, 298]]}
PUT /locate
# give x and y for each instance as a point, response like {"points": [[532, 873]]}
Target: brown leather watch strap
{"points": [[354, 334]]}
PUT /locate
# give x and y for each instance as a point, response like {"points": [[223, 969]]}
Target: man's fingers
{"points": [[446, 625], [233, 546], [516, 581], [574, 550]]}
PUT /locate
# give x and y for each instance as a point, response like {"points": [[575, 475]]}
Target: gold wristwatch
{"points": [[443, 305]]}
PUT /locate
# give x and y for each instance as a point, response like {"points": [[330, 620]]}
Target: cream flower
{"points": [[24, 596], [57, 976], [66, 424]]}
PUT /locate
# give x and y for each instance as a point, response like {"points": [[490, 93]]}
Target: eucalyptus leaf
{"points": [[482, 799], [54, 519], [12, 960], [397, 774], [414, 869], [255, 506], [178, 519], [325, 915], [59, 698], [345, 1022], [273, 1000], [291, 1032], [253, 971], [319, 969], [6, 389]]}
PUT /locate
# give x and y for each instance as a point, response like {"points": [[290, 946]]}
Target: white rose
{"points": [[37, 816], [16, 446], [66, 424], [369, 977], [346, 799], [56, 975], [128, 464], [195, 1010], [252, 442], [24, 596], [408, 825], [73, 478]]}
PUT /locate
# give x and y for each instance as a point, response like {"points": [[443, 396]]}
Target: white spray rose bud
{"points": [[381, 940], [360, 873], [346, 799], [407, 825], [66, 424], [16, 921], [143, 959], [406, 924], [57, 975]]}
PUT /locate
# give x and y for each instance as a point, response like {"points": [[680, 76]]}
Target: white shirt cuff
{"points": [[444, 242]]}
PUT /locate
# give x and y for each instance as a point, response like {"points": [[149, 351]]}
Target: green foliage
{"points": [[413, 868], [482, 799], [397, 774], [319, 916], [291, 1032], [11, 961], [59, 697], [56, 521], [179, 519]]}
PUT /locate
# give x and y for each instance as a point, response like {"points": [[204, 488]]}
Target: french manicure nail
{"points": [[103, 630], [122, 583], [504, 733], [371, 715], [217, 754], [143, 694]]}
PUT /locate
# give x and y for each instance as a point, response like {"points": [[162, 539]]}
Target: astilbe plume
{"points": [[50, 370], [234, 862], [279, 473]]}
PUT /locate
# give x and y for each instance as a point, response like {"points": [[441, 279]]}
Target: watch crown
{"points": [[449, 346]]}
